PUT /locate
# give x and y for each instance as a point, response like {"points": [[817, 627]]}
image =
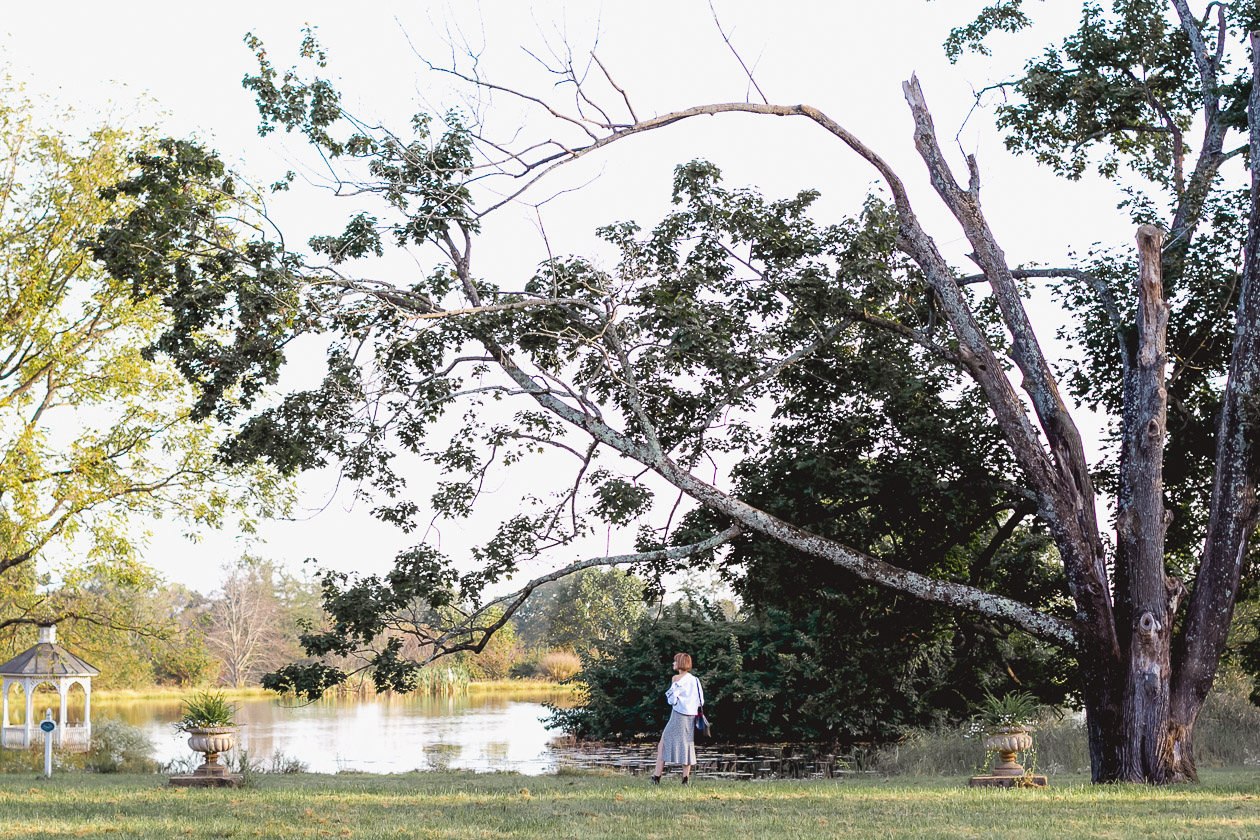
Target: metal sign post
{"points": [[48, 725]]}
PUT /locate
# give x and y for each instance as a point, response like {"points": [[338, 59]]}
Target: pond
{"points": [[481, 731]]}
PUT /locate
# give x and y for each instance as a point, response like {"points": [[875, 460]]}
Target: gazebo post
{"points": [[4, 717], [64, 695], [30, 712], [87, 706]]}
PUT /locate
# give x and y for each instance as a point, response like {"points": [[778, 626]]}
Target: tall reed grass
{"points": [[444, 679], [1227, 734], [559, 665]]}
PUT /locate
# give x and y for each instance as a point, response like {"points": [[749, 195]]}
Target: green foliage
{"points": [[309, 680], [701, 329], [204, 710], [1095, 91], [618, 501], [96, 437], [1124, 89], [1203, 295], [775, 677], [133, 628], [732, 304], [119, 747], [526, 665], [1014, 709], [255, 283], [1003, 16], [589, 612], [878, 444], [501, 653], [185, 665]]}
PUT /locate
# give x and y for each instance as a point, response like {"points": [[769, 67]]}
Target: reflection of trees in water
{"points": [[76, 703], [389, 731], [263, 710], [45, 697], [440, 756], [137, 712], [17, 705]]}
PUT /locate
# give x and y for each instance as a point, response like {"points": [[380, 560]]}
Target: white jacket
{"points": [[686, 695]]}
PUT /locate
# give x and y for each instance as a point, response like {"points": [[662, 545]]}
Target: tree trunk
{"points": [[1147, 747], [1133, 734], [1102, 719]]}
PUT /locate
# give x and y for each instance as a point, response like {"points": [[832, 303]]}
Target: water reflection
{"points": [[386, 734]]}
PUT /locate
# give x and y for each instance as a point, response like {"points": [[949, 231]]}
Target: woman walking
{"points": [[678, 743]]}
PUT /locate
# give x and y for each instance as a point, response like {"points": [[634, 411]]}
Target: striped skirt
{"points": [[678, 744]]}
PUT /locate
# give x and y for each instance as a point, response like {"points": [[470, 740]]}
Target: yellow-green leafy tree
{"points": [[96, 441]]}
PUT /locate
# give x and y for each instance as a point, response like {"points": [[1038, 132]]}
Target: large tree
{"points": [[94, 437], [665, 361]]}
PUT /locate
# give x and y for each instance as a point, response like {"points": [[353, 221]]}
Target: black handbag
{"points": [[702, 722]]}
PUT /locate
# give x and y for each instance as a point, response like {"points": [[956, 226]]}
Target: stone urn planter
{"points": [[212, 740], [209, 721], [1007, 744], [1007, 721]]}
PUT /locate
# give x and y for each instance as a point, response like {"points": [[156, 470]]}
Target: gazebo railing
{"points": [[71, 736]]}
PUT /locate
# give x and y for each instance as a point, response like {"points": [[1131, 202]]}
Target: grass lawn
{"points": [[461, 805]]}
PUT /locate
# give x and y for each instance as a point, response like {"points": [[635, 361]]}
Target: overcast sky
{"points": [[179, 66]]}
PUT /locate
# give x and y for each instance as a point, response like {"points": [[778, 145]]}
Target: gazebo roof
{"points": [[47, 659]]}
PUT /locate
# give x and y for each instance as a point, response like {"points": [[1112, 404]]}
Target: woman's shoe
{"points": [[656, 780], [685, 778]]}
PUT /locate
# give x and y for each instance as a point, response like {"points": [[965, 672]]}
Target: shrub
{"points": [[501, 653], [526, 667], [559, 665], [775, 676], [22, 761], [185, 666], [286, 764], [119, 747], [762, 681]]}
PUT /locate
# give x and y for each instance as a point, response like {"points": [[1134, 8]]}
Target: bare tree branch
{"points": [[751, 79]]}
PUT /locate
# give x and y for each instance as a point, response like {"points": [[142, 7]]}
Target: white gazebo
{"points": [[46, 662]]}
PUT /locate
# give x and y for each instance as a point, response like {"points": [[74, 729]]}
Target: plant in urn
{"points": [[1008, 724], [210, 721]]}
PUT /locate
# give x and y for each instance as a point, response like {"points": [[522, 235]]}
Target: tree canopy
{"points": [[928, 445], [94, 436]]}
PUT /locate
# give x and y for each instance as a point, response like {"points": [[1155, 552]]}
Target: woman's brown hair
{"points": [[682, 661]]}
